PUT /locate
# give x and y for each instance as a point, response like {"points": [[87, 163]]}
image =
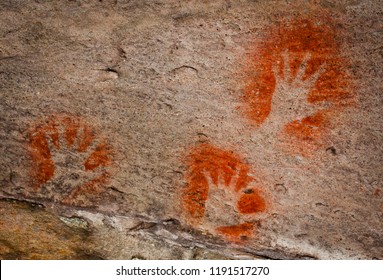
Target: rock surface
{"points": [[191, 129]]}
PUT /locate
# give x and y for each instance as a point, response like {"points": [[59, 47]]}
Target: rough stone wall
{"points": [[191, 129]]}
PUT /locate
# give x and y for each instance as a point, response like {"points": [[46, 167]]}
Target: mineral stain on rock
{"points": [[70, 159]]}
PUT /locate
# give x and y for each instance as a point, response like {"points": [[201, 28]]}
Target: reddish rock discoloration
{"points": [[237, 232]]}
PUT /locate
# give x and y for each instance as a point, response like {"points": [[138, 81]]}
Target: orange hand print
{"points": [[70, 160], [218, 196], [299, 81]]}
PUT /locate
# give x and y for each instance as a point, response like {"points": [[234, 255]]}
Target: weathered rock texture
{"points": [[191, 129]]}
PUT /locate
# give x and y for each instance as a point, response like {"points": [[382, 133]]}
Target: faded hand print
{"points": [[72, 163], [71, 160]]}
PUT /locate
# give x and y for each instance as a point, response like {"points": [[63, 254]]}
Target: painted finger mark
{"points": [[100, 157], [250, 203], [86, 139], [71, 127]]}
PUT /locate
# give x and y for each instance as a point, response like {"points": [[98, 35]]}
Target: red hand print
{"points": [[218, 196], [300, 81]]}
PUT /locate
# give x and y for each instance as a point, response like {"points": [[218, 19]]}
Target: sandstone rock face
{"points": [[191, 129]]}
